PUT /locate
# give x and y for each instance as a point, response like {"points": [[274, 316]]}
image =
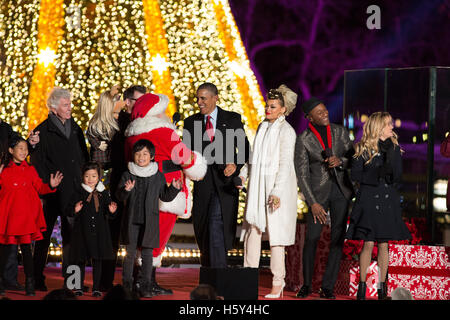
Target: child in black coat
{"points": [[142, 187], [91, 207]]}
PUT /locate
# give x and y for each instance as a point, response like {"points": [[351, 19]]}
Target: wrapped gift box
{"points": [[294, 259], [423, 270], [371, 278], [294, 272]]}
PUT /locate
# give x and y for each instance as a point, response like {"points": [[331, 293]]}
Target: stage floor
{"points": [[181, 280]]}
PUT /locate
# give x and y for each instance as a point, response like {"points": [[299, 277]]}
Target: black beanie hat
{"points": [[310, 104]]}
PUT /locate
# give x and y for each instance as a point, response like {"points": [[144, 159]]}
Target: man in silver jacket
{"points": [[322, 156]]}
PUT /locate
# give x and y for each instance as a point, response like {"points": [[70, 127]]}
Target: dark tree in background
{"points": [[307, 44]]}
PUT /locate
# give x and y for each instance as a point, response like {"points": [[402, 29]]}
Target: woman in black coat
{"points": [[376, 214], [91, 207]]}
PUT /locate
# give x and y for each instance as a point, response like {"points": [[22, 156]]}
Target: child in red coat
{"points": [[21, 214]]}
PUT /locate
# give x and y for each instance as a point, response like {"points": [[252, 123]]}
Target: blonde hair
{"points": [[368, 145], [102, 123]]}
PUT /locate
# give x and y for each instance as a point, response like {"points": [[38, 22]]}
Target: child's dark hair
{"points": [[144, 143], [6, 156], [91, 165]]}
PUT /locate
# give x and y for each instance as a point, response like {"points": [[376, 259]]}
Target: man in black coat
{"points": [[220, 137], [322, 156], [62, 147]]}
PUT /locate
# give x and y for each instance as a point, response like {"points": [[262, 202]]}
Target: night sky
{"points": [[307, 44]]}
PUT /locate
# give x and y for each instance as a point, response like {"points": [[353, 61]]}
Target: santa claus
{"points": [[175, 161]]}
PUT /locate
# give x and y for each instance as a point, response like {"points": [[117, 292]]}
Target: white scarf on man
{"points": [[264, 164]]}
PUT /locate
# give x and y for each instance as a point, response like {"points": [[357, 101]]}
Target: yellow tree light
{"points": [[158, 48], [46, 57], [251, 97], [50, 28], [18, 50]]}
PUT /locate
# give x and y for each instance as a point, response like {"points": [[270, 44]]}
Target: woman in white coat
{"points": [[272, 188]]}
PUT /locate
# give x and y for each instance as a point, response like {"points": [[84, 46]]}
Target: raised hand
{"points": [[129, 185], [56, 179], [78, 206], [177, 183], [103, 146], [112, 207], [33, 137]]}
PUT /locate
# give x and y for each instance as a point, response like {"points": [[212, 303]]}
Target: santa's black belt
{"points": [[170, 166]]}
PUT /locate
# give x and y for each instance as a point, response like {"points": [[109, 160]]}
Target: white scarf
{"points": [[147, 171], [263, 169], [100, 187]]}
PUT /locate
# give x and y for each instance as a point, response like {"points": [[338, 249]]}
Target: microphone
{"points": [[326, 154], [176, 117]]}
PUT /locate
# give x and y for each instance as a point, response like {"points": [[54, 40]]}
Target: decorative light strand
{"points": [[18, 51], [50, 27], [169, 46], [251, 97], [105, 46], [158, 49]]}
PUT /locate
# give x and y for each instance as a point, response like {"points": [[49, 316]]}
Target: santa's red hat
{"points": [[149, 105]]}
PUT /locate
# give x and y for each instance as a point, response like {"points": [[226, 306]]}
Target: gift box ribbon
{"points": [[419, 271]]}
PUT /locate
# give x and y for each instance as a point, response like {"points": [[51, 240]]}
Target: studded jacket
{"points": [[313, 176]]}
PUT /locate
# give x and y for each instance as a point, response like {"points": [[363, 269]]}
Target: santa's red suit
{"points": [[174, 159]]}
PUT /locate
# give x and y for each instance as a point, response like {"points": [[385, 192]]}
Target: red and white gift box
{"points": [[294, 259], [371, 279], [348, 277], [423, 270]]}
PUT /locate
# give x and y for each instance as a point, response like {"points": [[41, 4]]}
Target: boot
{"points": [[40, 283], [29, 287], [386, 297], [145, 290], [382, 292], [303, 292], [361, 295], [128, 285], [157, 290]]}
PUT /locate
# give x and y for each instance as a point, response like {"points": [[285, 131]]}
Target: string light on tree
{"points": [[18, 50], [169, 46], [46, 57], [159, 64]]}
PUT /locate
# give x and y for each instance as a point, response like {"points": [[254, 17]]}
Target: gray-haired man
{"points": [[62, 147]]}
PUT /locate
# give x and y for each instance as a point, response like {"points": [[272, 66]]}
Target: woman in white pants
{"points": [[272, 188]]}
